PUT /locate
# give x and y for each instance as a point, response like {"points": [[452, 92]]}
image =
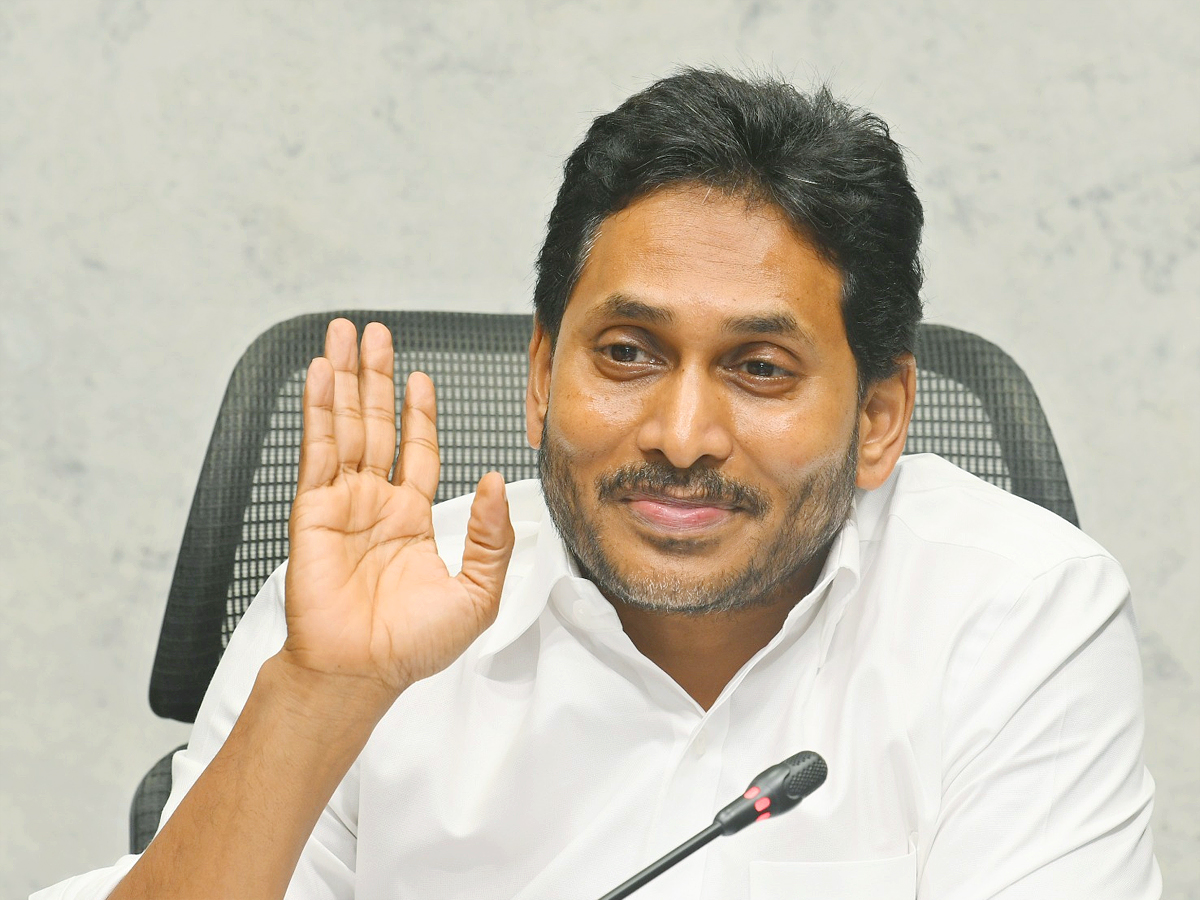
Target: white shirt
{"points": [[966, 664]]}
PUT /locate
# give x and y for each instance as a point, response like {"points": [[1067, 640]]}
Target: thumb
{"points": [[489, 545]]}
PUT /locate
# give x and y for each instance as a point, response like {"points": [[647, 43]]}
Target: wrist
{"points": [[321, 701]]}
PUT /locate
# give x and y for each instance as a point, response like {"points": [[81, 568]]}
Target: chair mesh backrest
{"points": [[974, 406]]}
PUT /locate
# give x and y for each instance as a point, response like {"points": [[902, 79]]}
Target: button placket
{"points": [[687, 805]]}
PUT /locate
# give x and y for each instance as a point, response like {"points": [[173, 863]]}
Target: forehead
{"points": [[691, 254]]}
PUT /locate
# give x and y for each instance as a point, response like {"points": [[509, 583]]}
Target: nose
{"points": [[686, 421]]}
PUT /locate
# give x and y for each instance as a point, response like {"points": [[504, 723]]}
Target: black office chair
{"points": [[975, 407]]}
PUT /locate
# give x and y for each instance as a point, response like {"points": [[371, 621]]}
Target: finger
{"points": [[341, 349], [318, 448], [420, 459], [489, 545], [377, 391]]}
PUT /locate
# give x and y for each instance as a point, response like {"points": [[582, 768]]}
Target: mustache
{"points": [[698, 483]]}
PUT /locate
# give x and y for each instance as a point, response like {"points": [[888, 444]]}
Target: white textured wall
{"points": [[176, 176]]}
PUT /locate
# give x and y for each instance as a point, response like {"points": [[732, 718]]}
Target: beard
{"points": [[817, 507]]}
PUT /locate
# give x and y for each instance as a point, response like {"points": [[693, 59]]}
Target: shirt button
{"points": [[700, 744]]}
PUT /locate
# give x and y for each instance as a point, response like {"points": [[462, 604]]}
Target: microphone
{"points": [[774, 791]]}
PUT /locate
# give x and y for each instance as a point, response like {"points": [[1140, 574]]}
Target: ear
{"points": [[537, 389], [883, 423]]}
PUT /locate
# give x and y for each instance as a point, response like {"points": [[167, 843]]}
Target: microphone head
{"points": [[807, 771], [774, 791]]}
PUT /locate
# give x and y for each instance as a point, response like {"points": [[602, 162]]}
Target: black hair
{"points": [[832, 169]]}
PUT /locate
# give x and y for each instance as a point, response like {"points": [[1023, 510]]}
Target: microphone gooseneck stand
{"points": [[774, 791]]}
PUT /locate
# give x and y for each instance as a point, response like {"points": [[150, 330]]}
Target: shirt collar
{"points": [[834, 584], [840, 576], [549, 571], [531, 577]]}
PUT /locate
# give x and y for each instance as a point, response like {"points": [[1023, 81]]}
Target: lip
{"points": [[677, 514]]}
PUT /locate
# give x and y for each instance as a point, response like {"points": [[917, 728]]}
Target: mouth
{"points": [[679, 514]]}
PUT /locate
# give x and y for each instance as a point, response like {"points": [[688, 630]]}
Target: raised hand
{"points": [[367, 596]]}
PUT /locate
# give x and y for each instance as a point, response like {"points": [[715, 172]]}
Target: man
{"points": [[730, 564]]}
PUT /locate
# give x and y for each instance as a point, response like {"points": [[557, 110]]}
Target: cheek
{"points": [[787, 444], [590, 422]]}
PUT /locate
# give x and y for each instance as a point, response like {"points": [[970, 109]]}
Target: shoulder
{"points": [[949, 513], [977, 572]]}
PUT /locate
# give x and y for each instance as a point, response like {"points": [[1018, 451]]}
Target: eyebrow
{"points": [[623, 306], [778, 323], [784, 324], [772, 325]]}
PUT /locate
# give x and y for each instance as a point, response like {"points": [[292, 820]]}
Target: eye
{"points": [[624, 353], [760, 368]]}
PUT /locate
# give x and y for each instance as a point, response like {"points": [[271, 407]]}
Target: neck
{"points": [[702, 652]]}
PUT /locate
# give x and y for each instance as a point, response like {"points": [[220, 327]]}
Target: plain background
{"points": [[177, 176]]}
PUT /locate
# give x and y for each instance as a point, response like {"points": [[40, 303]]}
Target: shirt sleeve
{"points": [[1045, 793], [326, 867]]}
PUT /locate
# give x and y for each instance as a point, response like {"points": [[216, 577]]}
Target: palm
{"points": [[367, 593]]}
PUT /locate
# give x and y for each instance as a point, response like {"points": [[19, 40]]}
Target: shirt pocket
{"points": [[868, 879]]}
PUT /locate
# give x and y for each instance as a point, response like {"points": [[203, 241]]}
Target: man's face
{"points": [[697, 420]]}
